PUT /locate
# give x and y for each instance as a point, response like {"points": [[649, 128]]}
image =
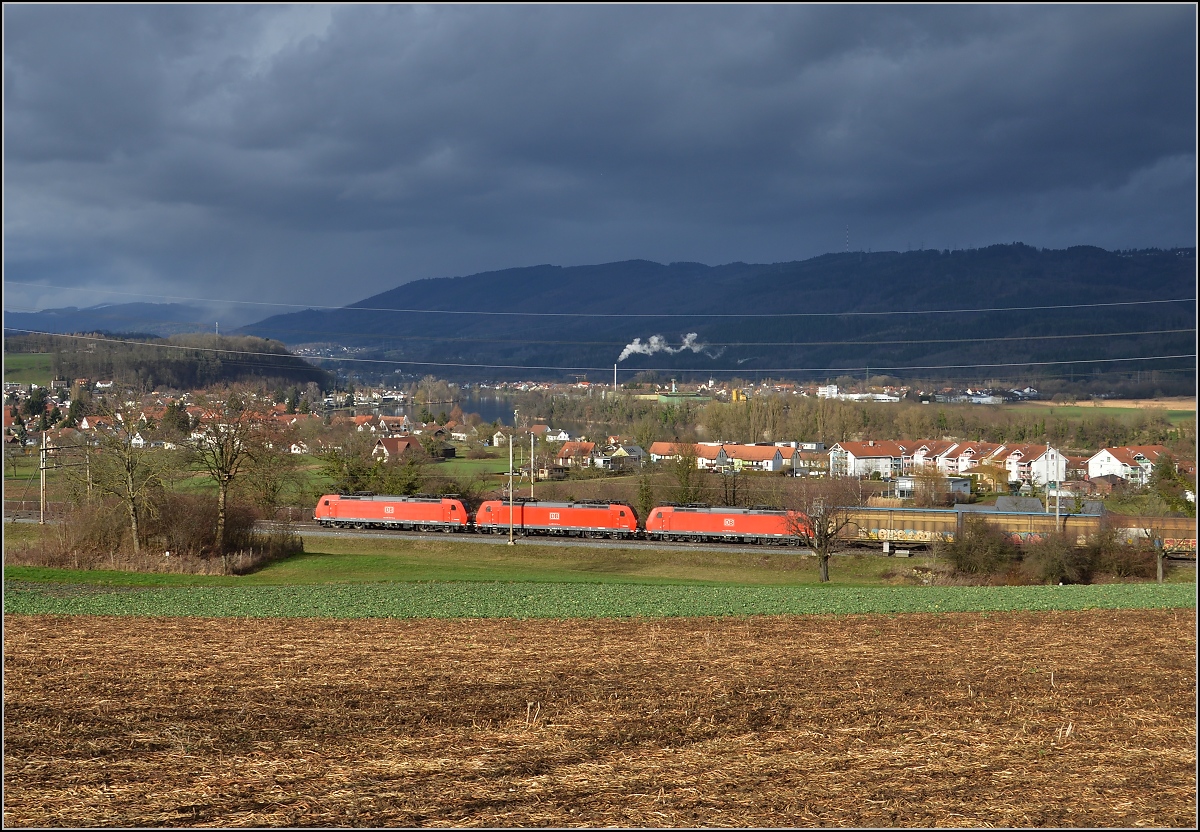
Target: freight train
{"points": [[704, 523], [924, 526]]}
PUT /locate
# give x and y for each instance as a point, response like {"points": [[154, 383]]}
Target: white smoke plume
{"points": [[656, 343]]}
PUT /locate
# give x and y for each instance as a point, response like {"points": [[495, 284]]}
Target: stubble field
{"points": [[1083, 718]]}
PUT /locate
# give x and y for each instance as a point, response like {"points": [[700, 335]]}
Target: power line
{"points": [[631, 314], [605, 369], [619, 344]]}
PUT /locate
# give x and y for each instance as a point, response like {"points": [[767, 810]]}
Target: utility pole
{"points": [[512, 438], [531, 472], [1057, 495], [42, 489]]}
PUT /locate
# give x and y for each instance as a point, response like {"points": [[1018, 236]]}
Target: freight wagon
{"points": [[371, 511], [583, 518], [924, 526], [700, 523]]}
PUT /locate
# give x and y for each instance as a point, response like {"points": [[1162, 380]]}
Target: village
{"points": [[313, 423]]}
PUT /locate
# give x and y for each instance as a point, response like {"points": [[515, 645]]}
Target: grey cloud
{"points": [[244, 149]]}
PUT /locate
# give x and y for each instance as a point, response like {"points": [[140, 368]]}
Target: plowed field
{"points": [[965, 719]]}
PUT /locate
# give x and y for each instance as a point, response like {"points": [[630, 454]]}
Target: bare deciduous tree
{"points": [[828, 507], [688, 477], [126, 468], [224, 443], [930, 487]]}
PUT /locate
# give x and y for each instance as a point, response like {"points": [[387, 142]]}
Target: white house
{"points": [[710, 456], [966, 455], [665, 450], [755, 457], [1033, 464], [862, 459], [1133, 463]]}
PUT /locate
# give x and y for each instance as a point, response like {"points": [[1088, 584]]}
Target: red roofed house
{"points": [[861, 459], [966, 455], [394, 447], [755, 457], [1033, 464], [577, 454], [710, 457], [1132, 463], [664, 450], [393, 424], [932, 452]]}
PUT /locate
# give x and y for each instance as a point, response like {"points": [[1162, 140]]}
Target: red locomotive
{"points": [[362, 511], [699, 523], [585, 518]]}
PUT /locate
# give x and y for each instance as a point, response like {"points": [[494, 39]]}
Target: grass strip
{"points": [[561, 601]]}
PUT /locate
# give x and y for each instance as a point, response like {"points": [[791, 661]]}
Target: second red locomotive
{"points": [[585, 518], [700, 523]]}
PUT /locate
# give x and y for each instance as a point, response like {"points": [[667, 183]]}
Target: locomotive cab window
{"points": [[622, 514], [326, 502], [489, 508], [658, 515]]}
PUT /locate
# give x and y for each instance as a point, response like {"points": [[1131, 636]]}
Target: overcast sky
{"points": [[319, 155]]}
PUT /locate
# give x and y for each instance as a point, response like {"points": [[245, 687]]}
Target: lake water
{"points": [[489, 408]]}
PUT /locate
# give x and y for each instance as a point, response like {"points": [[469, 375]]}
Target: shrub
{"points": [[1115, 557], [981, 549], [1056, 559], [90, 536], [179, 531]]}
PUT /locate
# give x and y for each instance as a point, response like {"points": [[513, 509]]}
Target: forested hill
{"points": [[183, 362], [806, 314]]}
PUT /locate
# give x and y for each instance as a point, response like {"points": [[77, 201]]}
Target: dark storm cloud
{"points": [[320, 154]]}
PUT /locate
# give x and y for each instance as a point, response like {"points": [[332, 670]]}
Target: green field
{"points": [[1079, 412], [404, 578], [29, 368], [524, 600]]}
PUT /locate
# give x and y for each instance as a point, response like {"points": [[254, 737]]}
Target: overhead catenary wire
{"points": [[619, 344], [605, 369]]}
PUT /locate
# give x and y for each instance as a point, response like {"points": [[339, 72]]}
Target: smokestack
{"points": [[614, 378]]}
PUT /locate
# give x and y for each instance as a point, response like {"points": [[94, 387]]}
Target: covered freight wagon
{"points": [[731, 525], [382, 511], [586, 518]]}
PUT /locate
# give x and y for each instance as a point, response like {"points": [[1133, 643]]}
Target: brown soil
{"points": [[1015, 719], [1177, 403]]}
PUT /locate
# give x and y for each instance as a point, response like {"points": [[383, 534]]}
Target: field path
{"points": [[1083, 719]]}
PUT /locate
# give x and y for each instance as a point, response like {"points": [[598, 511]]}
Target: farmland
{"points": [[400, 681], [1083, 718], [25, 368], [1177, 410]]}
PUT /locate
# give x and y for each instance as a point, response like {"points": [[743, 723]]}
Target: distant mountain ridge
{"points": [[837, 312], [160, 319]]}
